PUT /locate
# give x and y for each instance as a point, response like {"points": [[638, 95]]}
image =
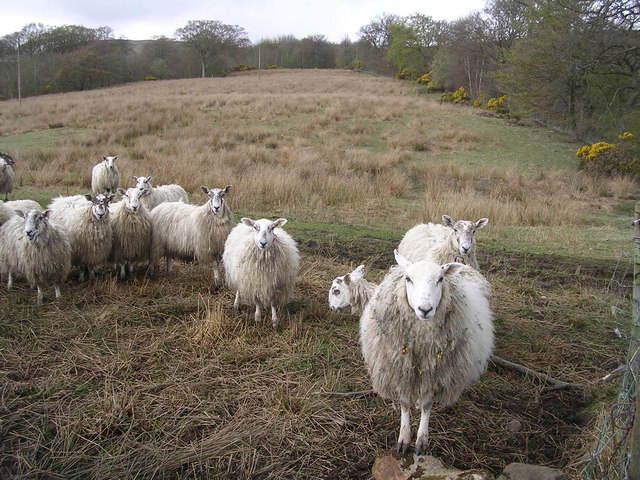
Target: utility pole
{"points": [[19, 85], [634, 354]]}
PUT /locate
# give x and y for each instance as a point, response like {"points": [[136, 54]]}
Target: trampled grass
{"points": [[160, 378]]}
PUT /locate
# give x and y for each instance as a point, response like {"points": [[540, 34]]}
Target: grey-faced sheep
{"points": [[261, 262], [426, 335], [131, 226], [6, 174], [161, 193], [351, 290], [85, 219], [44, 251], [105, 177], [451, 242], [190, 232]]}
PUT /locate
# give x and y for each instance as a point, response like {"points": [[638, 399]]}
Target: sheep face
{"points": [[34, 221], [109, 162], [264, 235], [340, 291], [143, 183], [100, 206], [424, 281], [216, 197], [6, 159], [132, 197], [464, 233]]}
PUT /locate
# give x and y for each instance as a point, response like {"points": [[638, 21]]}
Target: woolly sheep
{"points": [[192, 232], [6, 174], [6, 212], [131, 227], [261, 262], [426, 335], [161, 193], [85, 218], [105, 177], [10, 233], [9, 209], [451, 242], [44, 252], [351, 290]]}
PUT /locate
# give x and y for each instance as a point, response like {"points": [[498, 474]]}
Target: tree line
{"points": [[574, 64]]}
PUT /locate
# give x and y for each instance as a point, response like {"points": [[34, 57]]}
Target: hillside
{"points": [[160, 378]]}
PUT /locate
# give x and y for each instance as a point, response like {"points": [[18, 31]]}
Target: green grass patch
{"points": [[40, 139]]}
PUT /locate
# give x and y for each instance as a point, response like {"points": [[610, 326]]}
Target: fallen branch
{"points": [[361, 393], [558, 384]]}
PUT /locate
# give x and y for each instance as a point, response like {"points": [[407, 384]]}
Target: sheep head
{"points": [[109, 162], [34, 221], [424, 282], [463, 237], [216, 197], [340, 291], [100, 205], [264, 234]]}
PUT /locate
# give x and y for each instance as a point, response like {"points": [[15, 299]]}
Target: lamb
{"points": [[85, 218], [131, 226], [451, 242], [426, 335], [44, 251], [188, 231], [261, 262], [105, 177], [161, 193], [351, 290], [6, 174]]}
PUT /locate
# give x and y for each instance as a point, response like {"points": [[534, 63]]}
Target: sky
{"points": [[261, 19]]}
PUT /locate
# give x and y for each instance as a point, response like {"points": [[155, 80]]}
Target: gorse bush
{"points": [[459, 97], [610, 160]]}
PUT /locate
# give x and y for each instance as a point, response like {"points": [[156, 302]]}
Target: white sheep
{"points": [[426, 335], [191, 232], [131, 227], [6, 212], [10, 233], [105, 177], [351, 290], [161, 193], [44, 251], [261, 262], [24, 205], [6, 174], [85, 218], [451, 242]]}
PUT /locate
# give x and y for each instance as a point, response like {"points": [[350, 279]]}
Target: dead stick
{"points": [[362, 393], [559, 384]]}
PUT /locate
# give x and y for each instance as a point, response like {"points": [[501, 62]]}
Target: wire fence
{"points": [[613, 454]]}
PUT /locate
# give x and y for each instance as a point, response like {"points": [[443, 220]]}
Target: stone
{"points": [[521, 471]]}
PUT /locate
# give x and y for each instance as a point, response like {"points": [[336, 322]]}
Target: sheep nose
{"points": [[465, 250], [263, 243], [425, 311], [216, 209]]}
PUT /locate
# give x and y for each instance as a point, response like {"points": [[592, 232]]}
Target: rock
{"points": [[514, 426], [387, 468], [521, 471], [422, 467]]}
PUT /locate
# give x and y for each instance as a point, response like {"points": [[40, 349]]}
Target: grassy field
{"points": [[160, 378]]}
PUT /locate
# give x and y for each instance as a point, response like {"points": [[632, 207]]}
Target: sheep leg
{"points": [[236, 302], [122, 271], [9, 281], [422, 440], [169, 264], [39, 297], [258, 314], [57, 289], [81, 276], [216, 274], [404, 439], [274, 317]]}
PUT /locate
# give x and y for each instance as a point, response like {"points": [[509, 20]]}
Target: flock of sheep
{"points": [[426, 331]]}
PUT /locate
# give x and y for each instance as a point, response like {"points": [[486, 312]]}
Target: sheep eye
{"points": [[336, 291], [440, 280], [408, 280]]}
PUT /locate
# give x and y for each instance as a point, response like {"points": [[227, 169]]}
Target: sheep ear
{"points": [[358, 272], [115, 158], [146, 192], [149, 179], [110, 197], [46, 213], [227, 189], [122, 191], [483, 222], [248, 222], [401, 260], [347, 279], [205, 190], [447, 220], [89, 197], [452, 268], [280, 222], [20, 213], [104, 158]]}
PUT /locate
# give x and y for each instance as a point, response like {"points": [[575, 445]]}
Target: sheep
{"points": [[426, 335], [44, 252], [10, 233], [6, 212], [351, 290], [161, 193], [131, 227], [105, 177], [6, 174], [451, 242], [190, 232], [24, 205], [85, 218], [261, 262]]}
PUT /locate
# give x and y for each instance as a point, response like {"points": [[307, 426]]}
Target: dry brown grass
{"points": [[160, 378]]}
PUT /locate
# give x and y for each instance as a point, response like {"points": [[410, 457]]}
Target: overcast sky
{"points": [[145, 19]]}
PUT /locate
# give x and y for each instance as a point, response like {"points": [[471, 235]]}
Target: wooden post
{"points": [[634, 353]]}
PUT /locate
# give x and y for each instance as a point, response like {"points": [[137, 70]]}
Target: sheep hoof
{"points": [[421, 446], [402, 447]]}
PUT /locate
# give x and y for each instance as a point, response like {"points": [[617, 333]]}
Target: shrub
{"points": [[458, 97], [358, 65], [149, 78], [497, 104], [424, 79], [610, 160], [241, 67], [406, 74]]}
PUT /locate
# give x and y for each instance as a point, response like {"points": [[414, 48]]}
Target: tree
{"points": [[376, 38], [211, 39]]}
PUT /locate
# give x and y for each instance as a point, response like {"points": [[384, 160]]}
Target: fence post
{"points": [[634, 353]]}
